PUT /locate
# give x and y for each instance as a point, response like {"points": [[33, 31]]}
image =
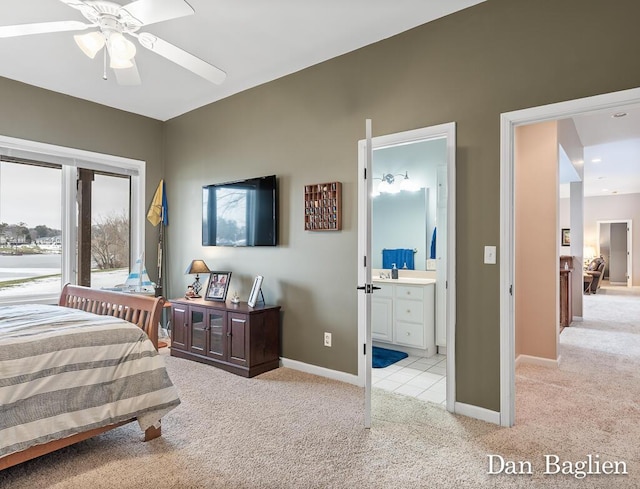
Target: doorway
{"points": [[509, 121], [441, 197], [615, 245]]}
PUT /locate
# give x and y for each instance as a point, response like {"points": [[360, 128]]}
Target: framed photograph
{"points": [[566, 238], [218, 286], [255, 291]]}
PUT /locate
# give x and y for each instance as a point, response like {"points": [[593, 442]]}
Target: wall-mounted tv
{"points": [[241, 213]]}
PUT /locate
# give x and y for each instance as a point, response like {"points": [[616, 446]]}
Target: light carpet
{"points": [[287, 429]]}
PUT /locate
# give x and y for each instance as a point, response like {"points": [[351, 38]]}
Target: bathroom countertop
{"points": [[405, 280]]}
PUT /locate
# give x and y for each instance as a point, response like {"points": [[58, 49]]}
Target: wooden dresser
{"points": [[235, 337]]}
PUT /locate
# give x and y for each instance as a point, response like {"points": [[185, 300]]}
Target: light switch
{"points": [[490, 255]]}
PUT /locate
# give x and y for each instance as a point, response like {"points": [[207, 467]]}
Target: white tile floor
{"points": [[424, 378]]}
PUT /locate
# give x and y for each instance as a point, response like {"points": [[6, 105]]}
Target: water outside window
{"points": [[31, 230]]}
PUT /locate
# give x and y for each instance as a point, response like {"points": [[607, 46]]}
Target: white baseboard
{"points": [[477, 412], [321, 371], [577, 319], [543, 362]]}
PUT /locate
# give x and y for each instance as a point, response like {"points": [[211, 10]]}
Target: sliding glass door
{"points": [[66, 216]]}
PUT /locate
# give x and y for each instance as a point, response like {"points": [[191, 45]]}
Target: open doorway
{"points": [[413, 314], [508, 294], [615, 245]]}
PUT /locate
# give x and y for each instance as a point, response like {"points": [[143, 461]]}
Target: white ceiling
{"points": [[615, 142], [253, 41]]}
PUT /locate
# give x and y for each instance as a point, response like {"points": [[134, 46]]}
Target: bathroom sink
{"points": [[406, 280]]}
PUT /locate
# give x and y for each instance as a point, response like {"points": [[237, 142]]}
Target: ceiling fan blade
{"points": [[79, 4], [128, 76], [152, 11], [42, 28], [182, 58]]}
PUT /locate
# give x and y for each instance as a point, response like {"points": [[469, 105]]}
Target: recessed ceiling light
{"points": [[614, 192], [619, 114], [605, 189], [596, 160], [600, 178]]}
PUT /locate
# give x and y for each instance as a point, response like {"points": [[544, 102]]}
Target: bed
{"points": [[77, 369]]}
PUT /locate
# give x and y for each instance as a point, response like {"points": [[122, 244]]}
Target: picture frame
{"points": [[218, 286], [565, 237], [255, 291]]}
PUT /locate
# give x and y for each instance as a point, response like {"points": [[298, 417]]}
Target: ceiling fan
{"points": [[114, 23]]}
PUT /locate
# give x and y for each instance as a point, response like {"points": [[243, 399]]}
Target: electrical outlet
{"points": [[327, 339]]}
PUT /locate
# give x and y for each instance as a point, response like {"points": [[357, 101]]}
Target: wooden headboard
{"points": [[141, 310]]}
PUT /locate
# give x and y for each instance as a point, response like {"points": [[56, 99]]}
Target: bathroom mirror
{"points": [[399, 221], [406, 219]]}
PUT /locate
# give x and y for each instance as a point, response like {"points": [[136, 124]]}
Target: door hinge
{"points": [[364, 349], [365, 173], [365, 260], [511, 289]]}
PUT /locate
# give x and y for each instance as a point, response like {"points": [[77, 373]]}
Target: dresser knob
{"points": [[408, 334], [408, 311]]}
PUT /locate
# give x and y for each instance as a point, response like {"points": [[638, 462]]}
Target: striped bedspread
{"points": [[65, 371]]}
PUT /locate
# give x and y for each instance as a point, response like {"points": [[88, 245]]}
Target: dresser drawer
{"points": [[409, 292], [410, 334], [408, 310]]}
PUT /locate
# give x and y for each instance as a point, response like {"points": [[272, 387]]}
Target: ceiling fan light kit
{"points": [[90, 43], [114, 22]]}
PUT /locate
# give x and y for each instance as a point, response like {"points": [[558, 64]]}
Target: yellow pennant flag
{"points": [[158, 208]]}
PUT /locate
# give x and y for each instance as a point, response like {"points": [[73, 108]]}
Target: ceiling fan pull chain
{"points": [[104, 64]]}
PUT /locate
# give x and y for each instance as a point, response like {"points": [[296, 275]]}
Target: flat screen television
{"points": [[241, 213]]}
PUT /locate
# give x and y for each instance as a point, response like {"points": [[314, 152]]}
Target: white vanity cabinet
{"points": [[402, 314], [382, 313]]}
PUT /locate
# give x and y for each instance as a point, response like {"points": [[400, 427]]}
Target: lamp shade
{"points": [[197, 266]]}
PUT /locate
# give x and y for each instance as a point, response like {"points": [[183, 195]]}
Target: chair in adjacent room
{"points": [[593, 275]]}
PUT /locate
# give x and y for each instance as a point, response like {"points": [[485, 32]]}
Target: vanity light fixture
{"points": [[389, 184]]}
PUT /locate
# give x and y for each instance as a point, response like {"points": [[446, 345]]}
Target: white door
{"points": [[446, 239], [441, 259], [365, 286]]}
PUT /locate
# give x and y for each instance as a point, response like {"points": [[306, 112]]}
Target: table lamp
{"points": [[197, 267]]}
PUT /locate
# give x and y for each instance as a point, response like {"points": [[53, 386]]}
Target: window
{"points": [[66, 216]]}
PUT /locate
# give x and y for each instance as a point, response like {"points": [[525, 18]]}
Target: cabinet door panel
{"points": [[217, 333], [198, 339], [179, 327], [381, 318], [237, 333]]}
